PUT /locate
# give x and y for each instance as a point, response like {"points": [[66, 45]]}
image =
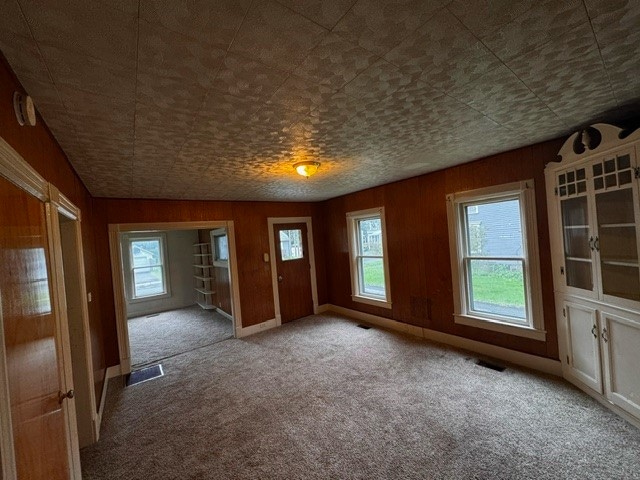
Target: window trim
{"points": [[128, 266], [524, 191], [352, 234]]}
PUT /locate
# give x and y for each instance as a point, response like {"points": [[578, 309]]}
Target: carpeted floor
{"points": [[176, 331], [320, 398]]}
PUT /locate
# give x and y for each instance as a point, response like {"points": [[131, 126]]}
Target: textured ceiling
{"points": [[217, 99]]}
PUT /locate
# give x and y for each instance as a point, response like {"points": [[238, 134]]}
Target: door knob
{"points": [[279, 278], [62, 396]]}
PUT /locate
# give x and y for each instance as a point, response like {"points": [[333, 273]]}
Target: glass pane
{"points": [[496, 230], [372, 276], [610, 180], [617, 242], [291, 244], [562, 179], [571, 177], [221, 247], [621, 281], [580, 174], [497, 288], [577, 250], [609, 166], [624, 161], [598, 183], [370, 235], [624, 177], [597, 169], [579, 274], [145, 253], [615, 207], [148, 281], [582, 187]]}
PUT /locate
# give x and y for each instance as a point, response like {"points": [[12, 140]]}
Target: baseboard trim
{"points": [[111, 372], [322, 308], [224, 314], [260, 327], [533, 362]]}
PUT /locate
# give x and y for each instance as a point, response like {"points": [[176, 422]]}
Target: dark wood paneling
{"points": [[418, 244], [40, 149]]}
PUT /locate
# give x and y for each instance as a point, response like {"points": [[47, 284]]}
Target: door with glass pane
{"points": [[616, 241], [293, 270], [577, 231]]}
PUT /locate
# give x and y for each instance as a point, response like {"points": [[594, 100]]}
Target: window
{"points": [[220, 247], [291, 244], [369, 268], [495, 266], [146, 255]]}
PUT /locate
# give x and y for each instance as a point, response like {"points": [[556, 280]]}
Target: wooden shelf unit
{"points": [[203, 275]]}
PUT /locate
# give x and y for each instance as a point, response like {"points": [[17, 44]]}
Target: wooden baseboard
{"points": [[533, 362], [322, 308], [224, 314], [111, 372], [246, 331]]}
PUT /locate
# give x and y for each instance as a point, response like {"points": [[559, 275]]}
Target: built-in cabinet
{"points": [[594, 219], [203, 275]]}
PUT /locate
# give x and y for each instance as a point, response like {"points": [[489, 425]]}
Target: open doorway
{"points": [[175, 289]]}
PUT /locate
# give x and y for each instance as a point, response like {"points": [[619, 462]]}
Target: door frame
{"points": [[117, 275], [16, 170], [271, 221]]}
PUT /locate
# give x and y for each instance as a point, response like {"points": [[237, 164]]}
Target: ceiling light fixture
{"points": [[306, 168]]}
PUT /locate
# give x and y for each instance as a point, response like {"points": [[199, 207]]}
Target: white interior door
{"points": [[621, 344], [583, 345]]}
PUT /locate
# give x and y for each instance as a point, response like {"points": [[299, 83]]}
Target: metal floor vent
{"points": [[492, 366], [365, 327], [144, 374]]}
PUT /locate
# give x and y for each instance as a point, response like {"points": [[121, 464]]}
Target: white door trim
{"points": [[115, 229], [271, 221]]}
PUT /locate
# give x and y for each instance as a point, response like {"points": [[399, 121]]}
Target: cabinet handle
{"points": [[591, 244], [596, 243], [594, 331], [605, 336]]}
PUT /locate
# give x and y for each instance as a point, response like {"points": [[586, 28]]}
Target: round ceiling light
{"points": [[306, 168]]}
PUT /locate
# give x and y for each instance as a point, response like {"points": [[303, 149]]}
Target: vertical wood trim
{"points": [[118, 298], [63, 343], [271, 221], [236, 311], [6, 429]]}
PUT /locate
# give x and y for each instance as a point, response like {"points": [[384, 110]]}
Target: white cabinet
{"points": [[621, 354], [594, 221], [583, 345]]}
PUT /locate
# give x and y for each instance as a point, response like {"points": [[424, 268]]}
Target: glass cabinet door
{"points": [[617, 230], [578, 241]]}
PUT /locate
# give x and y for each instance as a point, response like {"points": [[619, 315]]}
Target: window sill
{"points": [[150, 298], [371, 301], [496, 326]]}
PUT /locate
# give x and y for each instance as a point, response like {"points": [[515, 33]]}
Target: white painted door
{"points": [[621, 345], [583, 345]]}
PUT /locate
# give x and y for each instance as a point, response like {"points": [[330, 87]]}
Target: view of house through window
{"points": [[494, 260], [495, 267], [147, 267], [291, 244], [369, 274]]}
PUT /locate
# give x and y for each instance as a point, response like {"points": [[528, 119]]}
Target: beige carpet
{"points": [[170, 333], [320, 398]]}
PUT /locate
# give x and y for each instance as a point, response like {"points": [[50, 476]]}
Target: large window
{"points": [[495, 259], [146, 255], [369, 268]]}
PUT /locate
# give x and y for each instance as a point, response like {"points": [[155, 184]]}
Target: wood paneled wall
{"points": [[252, 242], [40, 149], [418, 244]]}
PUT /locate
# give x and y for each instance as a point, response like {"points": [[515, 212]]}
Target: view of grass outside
{"points": [[373, 273], [498, 287]]}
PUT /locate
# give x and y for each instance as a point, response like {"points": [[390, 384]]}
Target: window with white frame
{"points": [[369, 266], [147, 266], [494, 259]]}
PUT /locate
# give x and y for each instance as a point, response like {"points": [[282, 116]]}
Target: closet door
{"points": [[32, 345]]}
